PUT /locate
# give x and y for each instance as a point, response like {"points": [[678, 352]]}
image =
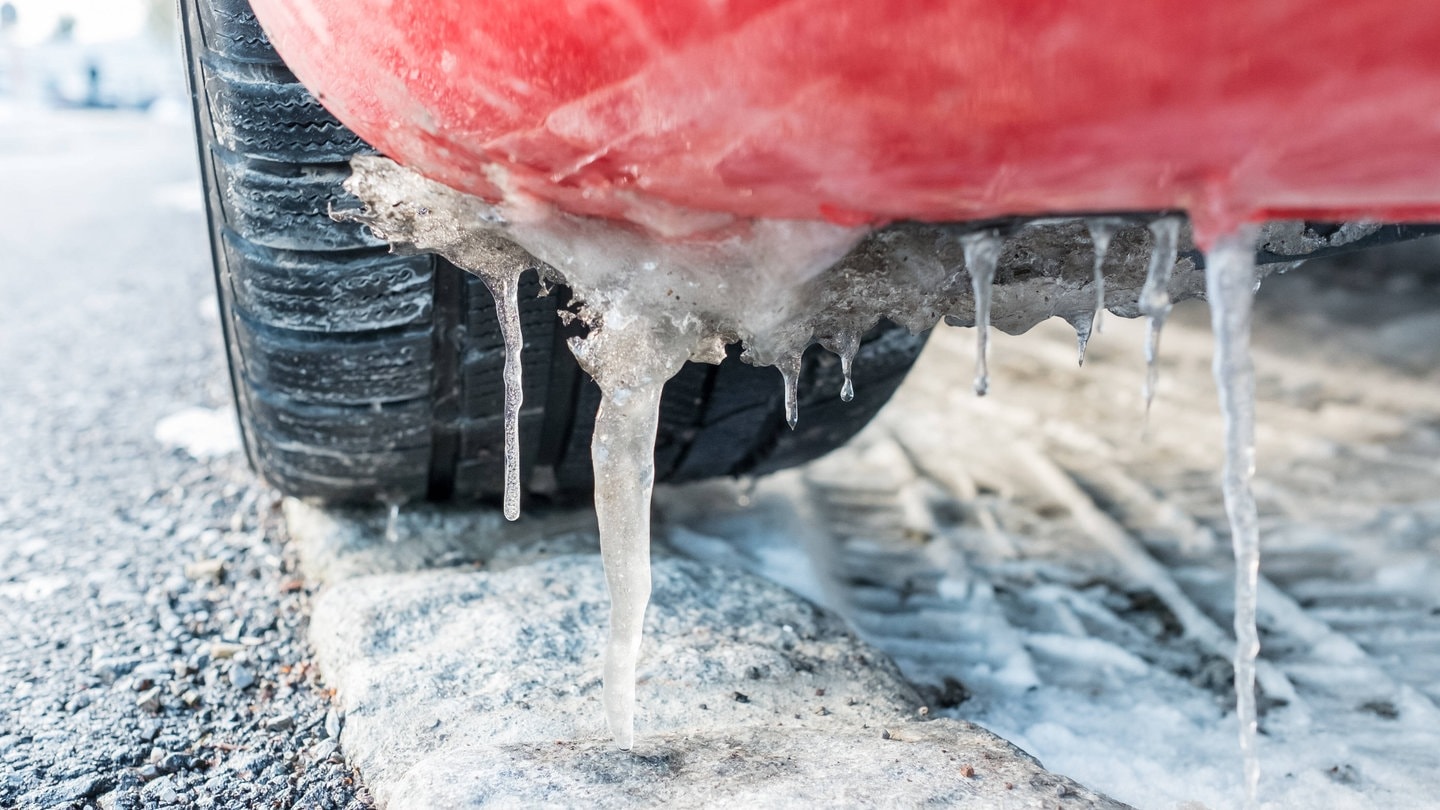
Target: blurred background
{"points": [[112, 54]]}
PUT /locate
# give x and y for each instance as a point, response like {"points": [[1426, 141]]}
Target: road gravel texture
{"points": [[152, 647]]}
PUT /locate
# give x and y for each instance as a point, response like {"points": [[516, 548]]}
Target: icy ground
{"points": [[1037, 563]]}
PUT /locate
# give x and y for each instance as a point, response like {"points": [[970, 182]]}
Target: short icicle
{"points": [[1155, 298], [392, 523], [845, 345], [1083, 330], [1101, 231], [982, 254], [789, 366], [1230, 288]]}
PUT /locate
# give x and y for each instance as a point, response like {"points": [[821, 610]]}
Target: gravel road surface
{"points": [[151, 633]]}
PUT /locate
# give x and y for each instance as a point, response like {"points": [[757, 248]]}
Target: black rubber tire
{"points": [[360, 375]]}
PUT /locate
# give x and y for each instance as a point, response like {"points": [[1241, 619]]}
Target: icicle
{"points": [[1155, 298], [789, 366], [631, 365], [505, 288], [1101, 230], [1083, 330], [623, 453], [982, 254], [392, 523], [846, 345], [1230, 287]]}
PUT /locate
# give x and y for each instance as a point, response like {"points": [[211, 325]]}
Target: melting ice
{"points": [[652, 303]]}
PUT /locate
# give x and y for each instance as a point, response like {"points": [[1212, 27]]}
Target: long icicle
{"points": [[623, 454], [505, 289], [1155, 299], [982, 254], [1230, 287]]}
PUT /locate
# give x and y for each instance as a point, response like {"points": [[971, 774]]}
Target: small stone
{"points": [[967, 771], [190, 698], [323, 750], [280, 722], [241, 677], [741, 697], [225, 649], [332, 724], [210, 570], [149, 700], [110, 668], [150, 729]]}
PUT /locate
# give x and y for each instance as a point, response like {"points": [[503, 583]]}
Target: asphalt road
{"points": [[151, 648]]}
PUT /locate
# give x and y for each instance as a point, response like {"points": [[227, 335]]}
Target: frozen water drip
{"points": [[392, 523], [504, 288], [845, 345], [1230, 288], [1101, 232], [1155, 298], [789, 366], [982, 254]]}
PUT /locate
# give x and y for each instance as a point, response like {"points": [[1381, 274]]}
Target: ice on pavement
{"points": [[944, 538]]}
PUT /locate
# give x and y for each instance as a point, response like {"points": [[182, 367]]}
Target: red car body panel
{"points": [[866, 112]]}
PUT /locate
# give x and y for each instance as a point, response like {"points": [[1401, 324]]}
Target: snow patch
{"points": [[204, 433]]}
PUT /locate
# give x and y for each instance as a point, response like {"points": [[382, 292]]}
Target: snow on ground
{"points": [[1039, 562], [204, 433]]}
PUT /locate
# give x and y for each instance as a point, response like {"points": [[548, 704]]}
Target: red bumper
{"points": [[859, 111]]}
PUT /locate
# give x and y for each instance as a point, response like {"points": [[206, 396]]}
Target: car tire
{"points": [[362, 375]]}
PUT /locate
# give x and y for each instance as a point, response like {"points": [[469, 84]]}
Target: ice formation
{"points": [[982, 254], [1101, 231], [682, 285], [1155, 298], [1230, 286]]}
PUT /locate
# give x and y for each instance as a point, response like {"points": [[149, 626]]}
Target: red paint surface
{"points": [[866, 111]]}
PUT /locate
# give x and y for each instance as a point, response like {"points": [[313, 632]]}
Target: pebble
{"points": [[225, 649], [280, 722], [110, 668], [241, 677], [212, 570], [149, 700]]}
